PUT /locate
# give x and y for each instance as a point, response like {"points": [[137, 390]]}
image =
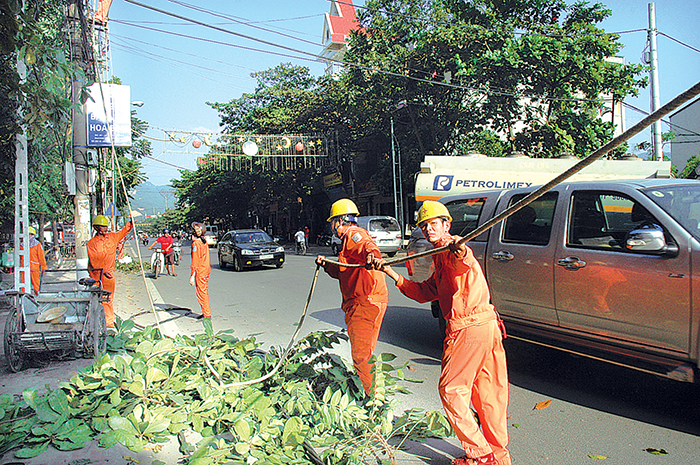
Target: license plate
{"points": [[266, 257]]}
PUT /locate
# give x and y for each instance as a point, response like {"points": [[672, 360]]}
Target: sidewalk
{"points": [[131, 301]]}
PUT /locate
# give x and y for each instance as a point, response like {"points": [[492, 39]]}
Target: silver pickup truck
{"points": [[604, 269]]}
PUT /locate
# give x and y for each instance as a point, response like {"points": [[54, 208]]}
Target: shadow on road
{"points": [[604, 387]]}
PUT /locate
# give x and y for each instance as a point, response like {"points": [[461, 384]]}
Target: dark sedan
{"points": [[247, 248]]}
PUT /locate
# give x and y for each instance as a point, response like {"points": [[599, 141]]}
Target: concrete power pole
{"points": [[81, 51], [21, 241], [655, 100]]}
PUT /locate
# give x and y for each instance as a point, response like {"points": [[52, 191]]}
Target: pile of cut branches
{"points": [[153, 389]]}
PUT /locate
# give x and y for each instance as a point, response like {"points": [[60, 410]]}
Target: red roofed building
{"points": [[336, 29]]}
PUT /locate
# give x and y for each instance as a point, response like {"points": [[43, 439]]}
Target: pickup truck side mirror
{"points": [[650, 239]]}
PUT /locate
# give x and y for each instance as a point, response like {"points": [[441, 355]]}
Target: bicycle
{"points": [[54, 259], [301, 248]]}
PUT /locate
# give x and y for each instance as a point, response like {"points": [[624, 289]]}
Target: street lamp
{"points": [[398, 193]]}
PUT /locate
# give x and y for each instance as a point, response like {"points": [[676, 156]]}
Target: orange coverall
{"points": [[37, 263], [102, 250], [365, 298], [201, 269], [473, 360]]}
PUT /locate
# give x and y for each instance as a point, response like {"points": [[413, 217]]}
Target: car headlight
{"points": [[279, 249], [247, 252]]}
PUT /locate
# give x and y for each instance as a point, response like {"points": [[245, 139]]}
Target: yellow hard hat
{"points": [[32, 230], [432, 209], [343, 207], [100, 220]]}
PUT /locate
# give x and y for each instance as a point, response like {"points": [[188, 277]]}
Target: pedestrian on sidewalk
{"points": [[102, 251], [473, 359], [365, 295], [199, 275]]}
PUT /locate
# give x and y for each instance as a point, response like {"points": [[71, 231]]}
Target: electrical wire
{"points": [[305, 54], [678, 41], [475, 26], [242, 21], [597, 154]]}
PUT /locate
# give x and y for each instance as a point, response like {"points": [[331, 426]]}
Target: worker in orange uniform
{"points": [[102, 250], [365, 295], [473, 360], [37, 260], [199, 274]]}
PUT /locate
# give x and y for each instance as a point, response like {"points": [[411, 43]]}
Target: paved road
{"points": [[597, 409]]}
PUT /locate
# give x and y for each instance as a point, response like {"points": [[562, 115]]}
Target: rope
{"points": [[286, 352], [631, 132], [126, 196]]}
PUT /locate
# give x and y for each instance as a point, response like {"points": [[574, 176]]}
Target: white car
{"points": [[384, 231]]}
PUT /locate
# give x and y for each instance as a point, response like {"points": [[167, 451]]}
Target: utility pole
{"points": [[21, 241], [655, 100], [81, 50]]}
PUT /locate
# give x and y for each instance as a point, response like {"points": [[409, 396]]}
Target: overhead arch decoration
{"points": [[241, 151]]}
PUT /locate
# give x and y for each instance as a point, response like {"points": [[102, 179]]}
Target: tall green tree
{"points": [[530, 71], [285, 100]]}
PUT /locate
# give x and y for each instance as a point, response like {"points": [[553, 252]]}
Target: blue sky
{"points": [[175, 75]]}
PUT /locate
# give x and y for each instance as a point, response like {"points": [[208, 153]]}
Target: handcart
{"points": [[66, 316]]}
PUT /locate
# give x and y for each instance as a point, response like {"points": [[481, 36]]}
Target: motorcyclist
{"points": [[166, 244], [300, 241]]}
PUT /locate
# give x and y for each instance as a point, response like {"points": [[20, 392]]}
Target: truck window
{"points": [[465, 215], [603, 219], [533, 223]]}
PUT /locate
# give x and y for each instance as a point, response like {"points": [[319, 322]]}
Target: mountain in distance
{"points": [[150, 200]]}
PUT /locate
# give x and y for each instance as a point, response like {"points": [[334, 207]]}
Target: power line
{"points": [[340, 62], [217, 42], [475, 26], [242, 21], [678, 41], [670, 124]]}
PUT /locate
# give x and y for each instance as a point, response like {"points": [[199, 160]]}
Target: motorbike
{"points": [[323, 240], [157, 262], [177, 249]]}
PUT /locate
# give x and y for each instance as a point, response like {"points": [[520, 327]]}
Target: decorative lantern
{"points": [[299, 147], [196, 143], [250, 148]]}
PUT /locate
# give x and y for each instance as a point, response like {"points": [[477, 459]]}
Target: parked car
{"points": [[604, 269], [384, 231], [247, 248]]}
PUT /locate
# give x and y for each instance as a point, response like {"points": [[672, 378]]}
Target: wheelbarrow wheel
{"points": [[14, 356], [96, 336]]}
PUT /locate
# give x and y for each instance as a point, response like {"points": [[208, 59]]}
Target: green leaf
{"points": [[242, 448], [292, 432], [29, 452], [242, 428], [597, 457], [137, 387], [154, 375], [157, 426]]}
